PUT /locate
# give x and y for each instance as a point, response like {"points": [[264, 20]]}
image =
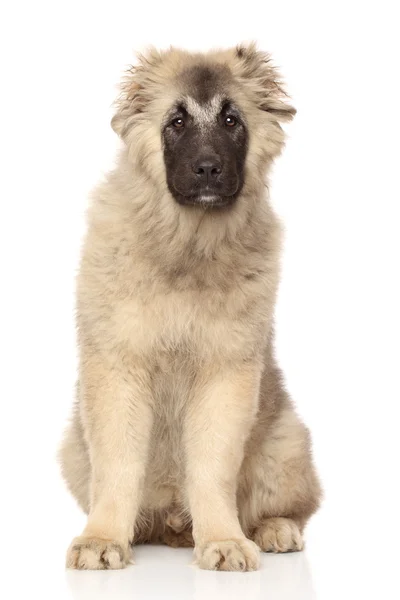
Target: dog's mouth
{"points": [[206, 198]]}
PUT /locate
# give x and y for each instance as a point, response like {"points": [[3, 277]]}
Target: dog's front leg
{"points": [[218, 423], [116, 408]]}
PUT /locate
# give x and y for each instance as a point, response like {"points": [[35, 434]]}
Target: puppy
{"points": [[182, 431]]}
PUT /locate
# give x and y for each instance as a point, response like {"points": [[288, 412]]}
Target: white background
{"points": [[338, 329]]}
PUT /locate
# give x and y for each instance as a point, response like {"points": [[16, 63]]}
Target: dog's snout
{"points": [[207, 169]]}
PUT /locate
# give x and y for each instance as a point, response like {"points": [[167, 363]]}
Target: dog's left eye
{"points": [[178, 123], [230, 121]]}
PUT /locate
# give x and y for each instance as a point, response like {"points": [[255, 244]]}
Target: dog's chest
{"points": [[196, 321]]}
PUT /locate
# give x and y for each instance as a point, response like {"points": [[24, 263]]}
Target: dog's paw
{"points": [[94, 554], [279, 535], [229, 555]]}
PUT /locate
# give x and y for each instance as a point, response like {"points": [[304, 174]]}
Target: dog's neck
{"points": [[167, 232]]}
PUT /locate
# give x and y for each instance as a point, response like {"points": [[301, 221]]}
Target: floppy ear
{"points": [[127, 105], [263, 78], [135, 89]]}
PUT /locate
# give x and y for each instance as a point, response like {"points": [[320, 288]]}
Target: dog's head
{"points": [[205, 139], [204, 125]]}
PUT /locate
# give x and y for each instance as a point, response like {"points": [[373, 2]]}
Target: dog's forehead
{"points": [[204, 82], [206, 112], [205, 87]]}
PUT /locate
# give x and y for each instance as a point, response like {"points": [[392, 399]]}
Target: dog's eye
{"points": [[230, 121], [178, 123]]}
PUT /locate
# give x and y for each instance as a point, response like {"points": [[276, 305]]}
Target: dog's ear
{"points": [[257, 72], [135, 93]]}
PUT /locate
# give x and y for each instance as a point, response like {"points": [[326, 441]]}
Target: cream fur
{"points": [[181, 425]]}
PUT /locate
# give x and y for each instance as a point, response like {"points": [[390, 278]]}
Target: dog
{"points": [[182, 431]]}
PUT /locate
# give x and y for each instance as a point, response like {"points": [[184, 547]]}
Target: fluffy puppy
{"points": [[182, 431]]}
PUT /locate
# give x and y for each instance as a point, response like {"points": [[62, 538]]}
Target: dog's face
{"points": [[205, 141], [204, 126]]}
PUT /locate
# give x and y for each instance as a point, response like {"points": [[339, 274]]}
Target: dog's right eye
{"points": [[178, 123], [230, 121]]}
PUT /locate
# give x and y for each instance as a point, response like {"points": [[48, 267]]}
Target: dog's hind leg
{"points": [[75, 463], [278, 487]]}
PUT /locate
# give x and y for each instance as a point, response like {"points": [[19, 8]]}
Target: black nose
{"points": [[207, 169]]}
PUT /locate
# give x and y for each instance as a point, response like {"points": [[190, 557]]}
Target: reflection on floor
{"points": [[165, 573]]}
